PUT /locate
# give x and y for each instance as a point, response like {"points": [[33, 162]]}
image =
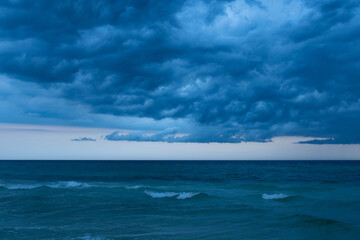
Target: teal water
{"points": [[180, 200]]}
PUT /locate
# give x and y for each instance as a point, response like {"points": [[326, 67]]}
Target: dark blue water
{"points": [[179, 200]]}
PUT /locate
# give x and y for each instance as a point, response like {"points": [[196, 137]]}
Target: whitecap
{"points": [[69, 184], [160, 194], [274, 196], [178, 195], [61, 184], [185, 195]]}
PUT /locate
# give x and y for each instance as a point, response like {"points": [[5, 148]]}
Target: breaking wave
{"points": [[69, 184], [275, 196], [61, 184], [178, 195]]}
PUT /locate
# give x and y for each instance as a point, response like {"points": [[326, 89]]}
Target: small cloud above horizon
{"points": [[83, 139]]}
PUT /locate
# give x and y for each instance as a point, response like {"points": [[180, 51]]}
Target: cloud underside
{"points": [[232, 70], [173, 136]]}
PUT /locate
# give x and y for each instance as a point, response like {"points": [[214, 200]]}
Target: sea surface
{"points": [[205, 200]]}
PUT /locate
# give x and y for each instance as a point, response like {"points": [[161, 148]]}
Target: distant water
{"points": [[280, 200]]}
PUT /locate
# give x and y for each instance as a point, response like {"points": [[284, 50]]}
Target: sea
{"points": [[180, 200]]}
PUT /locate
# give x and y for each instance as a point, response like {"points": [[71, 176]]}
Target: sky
{"points": [[197, 79]]}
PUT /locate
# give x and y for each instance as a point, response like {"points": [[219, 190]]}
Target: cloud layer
{"points": [[235, 71]]}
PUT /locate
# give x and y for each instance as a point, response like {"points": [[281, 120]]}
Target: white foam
{"points": [[62, 184], [69, 184], [274, 196], [185, 195], [160, 194], [178, 195]]}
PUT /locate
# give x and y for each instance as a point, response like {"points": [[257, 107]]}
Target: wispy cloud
{"points": [[83, 139]]}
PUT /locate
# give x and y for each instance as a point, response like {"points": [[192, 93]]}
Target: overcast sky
{"points": [[198, 79]]}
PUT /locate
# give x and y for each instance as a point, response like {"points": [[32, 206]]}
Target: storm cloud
{"points": [[234, 71]]}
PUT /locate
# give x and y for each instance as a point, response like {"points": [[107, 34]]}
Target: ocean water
{"points": [[180, 200]]}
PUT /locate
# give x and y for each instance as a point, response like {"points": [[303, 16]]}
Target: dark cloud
{"points": [[167, 135], [235, 70], [83, 139]]}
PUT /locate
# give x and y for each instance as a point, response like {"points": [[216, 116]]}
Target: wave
{"points": [[69, 184], [61, 184], [275, 196], [178, 195]]}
